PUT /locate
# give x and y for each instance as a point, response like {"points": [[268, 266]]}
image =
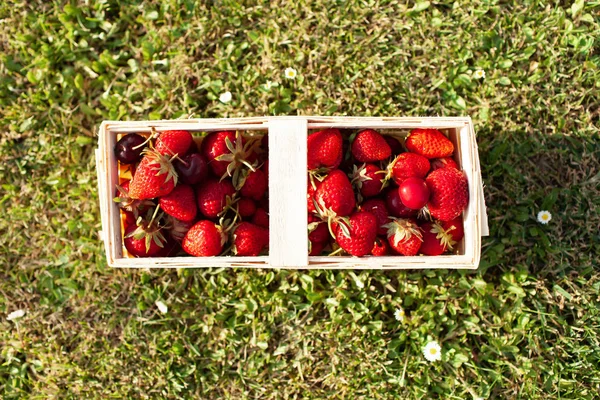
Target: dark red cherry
{"points": [[395, 206], [192, 168], [128, 149]]}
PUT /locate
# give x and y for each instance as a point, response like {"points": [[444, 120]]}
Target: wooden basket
{"points": [[288, 246]]}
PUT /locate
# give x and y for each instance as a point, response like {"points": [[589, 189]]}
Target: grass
{"points": [[525, 325]]}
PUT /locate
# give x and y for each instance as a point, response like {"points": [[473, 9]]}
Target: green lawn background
{"points": [[524, 326]]}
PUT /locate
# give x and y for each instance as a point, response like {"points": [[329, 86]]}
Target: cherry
{"points": [[394, 144], [192, 168], [127, 150], [414, 193], [395, 206]]}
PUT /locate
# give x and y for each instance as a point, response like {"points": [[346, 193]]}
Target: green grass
{"points": [[526, 325]]}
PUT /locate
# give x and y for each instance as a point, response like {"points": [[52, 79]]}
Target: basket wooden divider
{"points": [[288, 246]]}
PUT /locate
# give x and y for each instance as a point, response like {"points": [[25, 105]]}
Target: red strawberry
{"points": [[170, 143], [368, 179], [316, 248], [408, 165], [429, 143], [255, 185], [227, 153], [128, 218], [443, 162], [204, 239], [404, 236], [455, 228], [357, 234], [379, 210], [155, 176], [261, 218], [317, 230], [126, 203], [395, 206], [246, 207], [310, 195], [335, 194], [144, 239], [370, 146], [249, 239], [265, 169], [394, 144], [212, 197], [180, 203], [170, 249], [380, 248], [449, 193], [324, 149], [432, 239]]}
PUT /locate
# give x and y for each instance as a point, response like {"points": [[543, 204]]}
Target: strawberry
{"points": [[255, 185], [316, 248], [335, 195], [429, 143], [128, 218], [144, 239], [433, 244], [170, 249], [449, 193], [126, 203], [155, 176], [380, 248], [261, 218], [317, 230], [204, 239], [228, 153], [212, 197], [246, 207], [404, 236], [180, 203], [170, 143], [249, 239], [455, 228], [443, 162], [379, 210], [310, 195], [368, 179], [370, 146], [408, 165], [357, 234], [265, 169], [324, 149]]}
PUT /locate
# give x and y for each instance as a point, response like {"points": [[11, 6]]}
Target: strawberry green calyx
{"points": [[149, 230], [162, 164], [402, 229], [237, 158], [444, 236], [127, 203]]}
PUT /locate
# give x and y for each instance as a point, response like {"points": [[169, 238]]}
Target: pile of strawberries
{"points": [[368, 196], [202, 200]]}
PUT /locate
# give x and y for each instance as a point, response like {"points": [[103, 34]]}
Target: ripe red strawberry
{"points": [[212, 197], [370, 146], [170, 143], [155, 176], [261, 218], [368, 179], [395, 206], [429, 143], [126, 203], [408, 165], [335, 194], [180, 203], [443, 162], [227, 152], [255, 185], [249, 239], [128, 218], [357, 234], [316, 248], [265, 169], [324, 149], [433, 244], [404, 236], [380, 248], [204, 239], [317, 230], [141, 243], [310, 195], [379, 210], [449, 193], [246, 207], [455, 228]]}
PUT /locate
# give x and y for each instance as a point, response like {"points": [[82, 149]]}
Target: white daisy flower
{"points": [[225, 97], [479, 74], [432, 351], [399, 314], [290, 73], [544, 217], [162, 307], [15, 315]]}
